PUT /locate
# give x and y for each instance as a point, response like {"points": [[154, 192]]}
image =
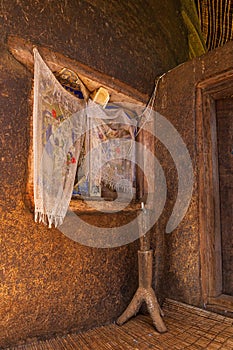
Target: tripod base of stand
{"points": [[145, 293]]}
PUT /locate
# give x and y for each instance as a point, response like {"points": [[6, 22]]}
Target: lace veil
{"points": [[62, 125]]}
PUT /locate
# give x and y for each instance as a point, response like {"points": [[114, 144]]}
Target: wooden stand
{"points": [[145, 292]]}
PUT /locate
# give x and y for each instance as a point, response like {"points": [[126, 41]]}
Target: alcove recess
{"points": [[119, 92]]}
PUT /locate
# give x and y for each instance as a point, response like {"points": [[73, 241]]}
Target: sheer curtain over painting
{"points": [[59, 121], [79, 146]]}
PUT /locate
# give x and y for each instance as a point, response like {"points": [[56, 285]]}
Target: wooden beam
{"points": [[22, 50]]}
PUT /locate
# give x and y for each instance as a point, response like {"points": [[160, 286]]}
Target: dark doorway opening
{"points": [[224, 120]]}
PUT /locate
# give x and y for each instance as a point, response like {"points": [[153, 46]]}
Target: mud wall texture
{"points": [[191, 253], [50, 284], [180, 263]]}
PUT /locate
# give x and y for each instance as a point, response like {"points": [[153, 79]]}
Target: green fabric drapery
{"points": [[209, 24], [196, 41], [216, 20]]}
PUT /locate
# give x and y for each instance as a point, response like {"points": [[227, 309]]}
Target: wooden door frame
{"points": [[207, 92]]}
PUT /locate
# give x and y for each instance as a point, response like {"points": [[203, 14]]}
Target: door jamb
{"points": [[207, 92]]}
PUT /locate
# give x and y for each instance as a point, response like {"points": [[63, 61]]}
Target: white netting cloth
{"points": [[112, 148], [58, 125], [62, 125]]}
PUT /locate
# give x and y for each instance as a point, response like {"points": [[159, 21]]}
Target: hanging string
{"points": [[150, 105]]}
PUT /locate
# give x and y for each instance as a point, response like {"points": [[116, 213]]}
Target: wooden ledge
{"points": [[100, 207]]}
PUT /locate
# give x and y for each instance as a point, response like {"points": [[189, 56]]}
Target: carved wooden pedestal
{"points": [[145, 293]]}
